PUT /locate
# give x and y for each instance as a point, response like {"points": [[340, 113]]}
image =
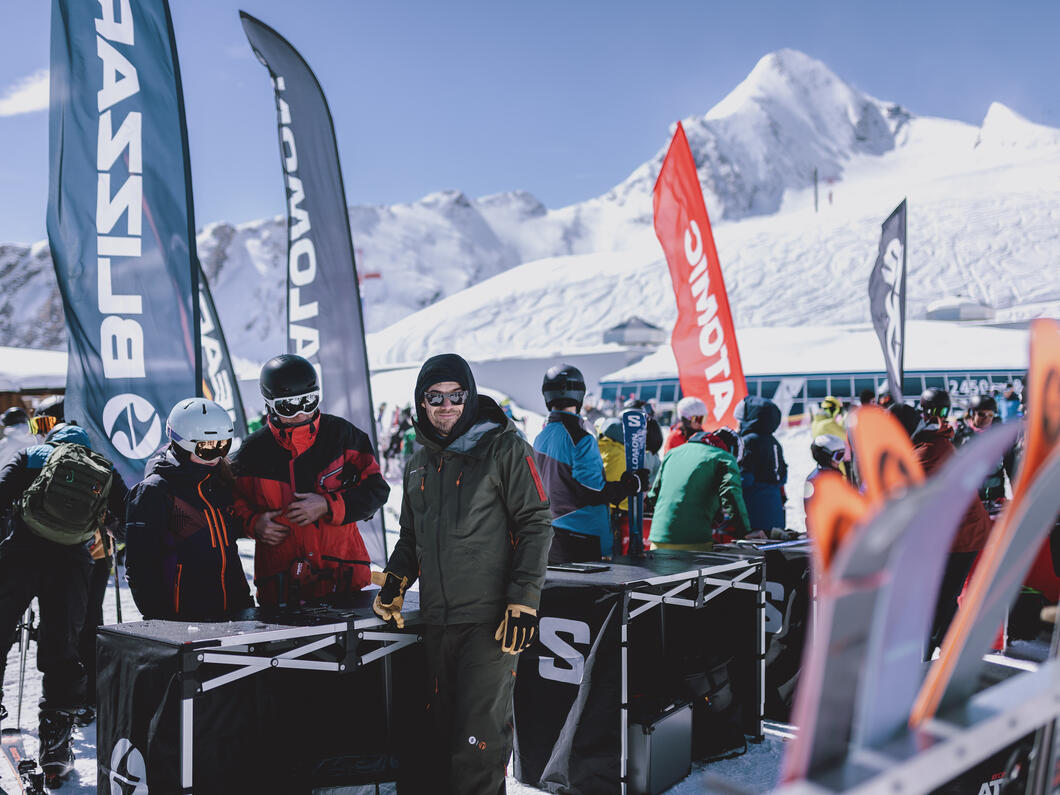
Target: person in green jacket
{"points": [[698, 485], [476, 530]]}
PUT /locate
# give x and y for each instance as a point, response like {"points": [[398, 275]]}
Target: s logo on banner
{"points": [[128, 773], [132, 424], [579, 632]]}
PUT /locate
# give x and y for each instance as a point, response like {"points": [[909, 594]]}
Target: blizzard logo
{"points": [[711, 333], [121, 337], [301, 253], [221, 391], [892, 276], [128, 773], [132, 425]]}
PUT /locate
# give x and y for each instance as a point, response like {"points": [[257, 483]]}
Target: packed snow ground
{"points": [[755, 771]]}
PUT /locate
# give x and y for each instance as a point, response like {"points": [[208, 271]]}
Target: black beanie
{"points": [[436, 370]]}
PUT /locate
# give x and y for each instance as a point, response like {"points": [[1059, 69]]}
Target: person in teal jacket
{"points": [[699, 483]]}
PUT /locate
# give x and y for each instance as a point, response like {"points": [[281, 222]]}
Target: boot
{"points": [[56, 753]]}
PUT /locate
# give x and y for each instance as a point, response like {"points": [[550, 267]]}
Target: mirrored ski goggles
{"points": [[42, 424], [457, 398], [838, 456], [938, 411], [213, 449], [296, 404]]}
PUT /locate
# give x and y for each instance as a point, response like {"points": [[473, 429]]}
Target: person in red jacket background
{"points": [[303, 481], [932, 440]]}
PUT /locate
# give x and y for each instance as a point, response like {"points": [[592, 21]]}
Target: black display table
{"points": [[268, 703], [622, 647]]}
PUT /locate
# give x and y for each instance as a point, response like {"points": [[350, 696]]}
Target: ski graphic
{"points": [[1010, 550], [29, 778], [852, 538], [893, 667], [635, 437]]}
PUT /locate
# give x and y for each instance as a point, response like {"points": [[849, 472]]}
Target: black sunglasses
{"points": [[290, 406], [457, 398]]}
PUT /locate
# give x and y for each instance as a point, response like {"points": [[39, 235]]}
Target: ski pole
{"points": [[24, 632], [117, 586]]}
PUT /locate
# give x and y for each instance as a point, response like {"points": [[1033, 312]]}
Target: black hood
{"points": [[445, 367], [757, 415]]}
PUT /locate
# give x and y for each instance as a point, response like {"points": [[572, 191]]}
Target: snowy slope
{"points": [[980, 205]]}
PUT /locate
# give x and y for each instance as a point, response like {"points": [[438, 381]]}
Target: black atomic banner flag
{"points": [[887, 297], [324, 322], [121, 223], [219, 382]]}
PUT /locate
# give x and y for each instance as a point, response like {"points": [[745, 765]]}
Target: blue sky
{"points": [[563, 98]]}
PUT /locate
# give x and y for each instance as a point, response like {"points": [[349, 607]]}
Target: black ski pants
{"points": [[958, 564], [58, 576], [86, 642], [471, 684]]}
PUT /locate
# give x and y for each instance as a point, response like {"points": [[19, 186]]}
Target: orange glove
{"points": [[387, 603], [517, 628]]}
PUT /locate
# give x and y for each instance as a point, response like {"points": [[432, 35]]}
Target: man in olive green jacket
{"points": [[475, 529], [698, 484]]}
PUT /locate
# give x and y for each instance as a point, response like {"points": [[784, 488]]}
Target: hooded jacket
{"points": [[475, 523], [762, 463], [181, 557], [328, 456], [21, 470]]}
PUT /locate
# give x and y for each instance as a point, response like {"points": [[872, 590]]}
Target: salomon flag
{"points": [[703, 339], [887, 297], [324, 322], [219, 382], [121, 223]]}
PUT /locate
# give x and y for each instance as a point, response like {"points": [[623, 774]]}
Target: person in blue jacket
{"points": [[180, 530], [762, 464], [572, 471]]}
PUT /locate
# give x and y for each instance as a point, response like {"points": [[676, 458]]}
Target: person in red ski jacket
{"points": [[303, 481], [690, 414]]}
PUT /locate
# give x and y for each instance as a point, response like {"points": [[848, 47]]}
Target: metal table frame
{"points": [[745, 573]]}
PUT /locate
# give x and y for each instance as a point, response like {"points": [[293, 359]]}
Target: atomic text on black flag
{"points": [[121, 223], [887, 297], [324, 321]]}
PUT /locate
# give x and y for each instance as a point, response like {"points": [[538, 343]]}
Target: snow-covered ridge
{"points": [[755, 152]]}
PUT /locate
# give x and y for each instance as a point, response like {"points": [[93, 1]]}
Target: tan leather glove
{"points": [[517, 628], [387, 603]]}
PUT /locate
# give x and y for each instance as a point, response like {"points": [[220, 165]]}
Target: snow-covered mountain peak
{"points": [[1003, 128]]}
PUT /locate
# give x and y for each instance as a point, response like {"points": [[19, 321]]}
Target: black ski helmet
{"points": [[51, 406], [884, 398], [287, 375], [14, 416], [564, 386], [982, 403], [935, 401], [828, 450], [908, 416]]}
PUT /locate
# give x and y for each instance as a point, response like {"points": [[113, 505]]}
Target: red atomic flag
{"points": [[703, 338]]}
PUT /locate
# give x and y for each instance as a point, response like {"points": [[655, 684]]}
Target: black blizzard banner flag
{"points": [[121, 223], [219, 382], [887, 297], [324, 320]]}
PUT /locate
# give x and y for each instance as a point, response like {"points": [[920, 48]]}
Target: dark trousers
{"points": [[471, 684], [86, 642], [570, 547], [58, 576], [956, 572]]}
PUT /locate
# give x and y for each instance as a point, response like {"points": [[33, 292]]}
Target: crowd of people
{"points": [[484, 511]]}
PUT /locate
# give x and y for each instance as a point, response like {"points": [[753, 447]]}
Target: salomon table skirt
{"points": [[622, 647], [273, 702]]}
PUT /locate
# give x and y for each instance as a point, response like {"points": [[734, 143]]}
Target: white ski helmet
{"points": [[196, 420], [688, 407]]}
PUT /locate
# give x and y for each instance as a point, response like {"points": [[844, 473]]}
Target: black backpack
{"points": [[65, 503]]}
